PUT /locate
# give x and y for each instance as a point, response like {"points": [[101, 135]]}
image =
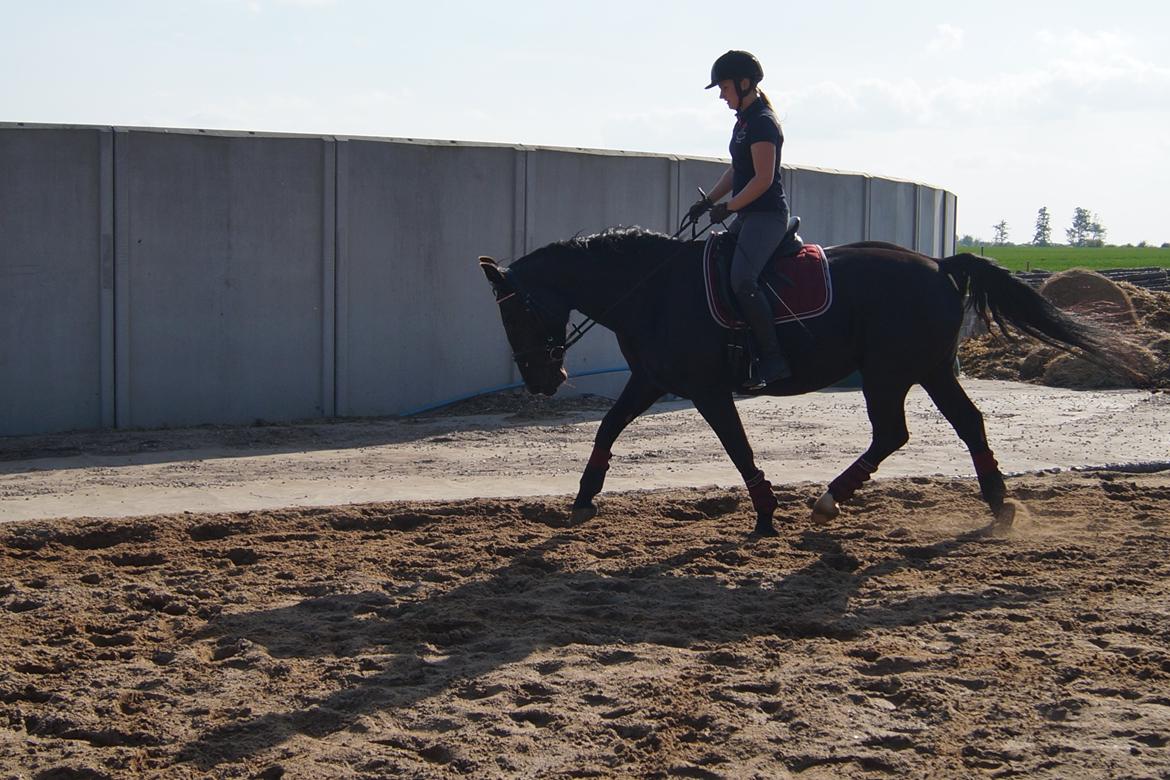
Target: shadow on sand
{"points": [[534, 604]]}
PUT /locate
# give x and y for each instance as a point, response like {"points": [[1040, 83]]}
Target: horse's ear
{"points": [[492, 271]]}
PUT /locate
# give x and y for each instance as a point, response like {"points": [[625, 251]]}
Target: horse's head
{"points": [[535, 330]]}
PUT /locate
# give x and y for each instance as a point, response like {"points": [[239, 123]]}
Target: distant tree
{"points": [[1096, 233], [1081, 227], [1043, 235], [1001, 232], [1165, 245], [967, 240], [1143, 244]]}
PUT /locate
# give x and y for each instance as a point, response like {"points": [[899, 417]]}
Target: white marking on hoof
{"points": [[825, 509]]}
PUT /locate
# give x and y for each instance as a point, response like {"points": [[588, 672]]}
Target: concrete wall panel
{"points": [[692, 175], [51, 239], [419, 319], [831, 206], [891, 211], [930, 220], [222, 260], [949, 239]]}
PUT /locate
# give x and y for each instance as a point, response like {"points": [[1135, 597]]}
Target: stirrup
{"points": [[755, 380], [755, 384], [758, 383]]}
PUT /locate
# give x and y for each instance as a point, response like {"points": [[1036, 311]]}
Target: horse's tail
{"points": [[995, 294]]}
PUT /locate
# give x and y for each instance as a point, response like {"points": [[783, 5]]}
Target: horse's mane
{"points": [[629, 242], [615, 250]]}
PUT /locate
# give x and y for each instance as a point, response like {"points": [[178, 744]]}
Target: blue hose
{"points": [[487, 390]]}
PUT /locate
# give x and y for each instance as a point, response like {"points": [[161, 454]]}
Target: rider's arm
{"points": [[764, 161], [722, 187]]}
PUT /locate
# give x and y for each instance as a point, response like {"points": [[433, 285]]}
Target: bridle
{"points": [[553, 349]]}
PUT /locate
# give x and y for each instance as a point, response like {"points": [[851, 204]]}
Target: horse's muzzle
{"points": [[550, 385]]}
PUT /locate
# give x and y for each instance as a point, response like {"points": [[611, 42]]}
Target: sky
{"points": [[1012, 106]]}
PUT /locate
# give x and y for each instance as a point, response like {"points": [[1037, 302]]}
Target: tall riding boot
{"points": [[773, 366]]}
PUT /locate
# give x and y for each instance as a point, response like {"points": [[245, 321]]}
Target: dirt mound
{"points": [[1143, 316], [491, 638]]}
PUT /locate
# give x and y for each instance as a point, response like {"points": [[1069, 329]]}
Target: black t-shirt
{"points": [[756, 123]]}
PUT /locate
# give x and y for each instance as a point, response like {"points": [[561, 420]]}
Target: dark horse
{"points": [[895, 317]]}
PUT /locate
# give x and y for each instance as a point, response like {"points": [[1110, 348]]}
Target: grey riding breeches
{"points": [[759, 234]]}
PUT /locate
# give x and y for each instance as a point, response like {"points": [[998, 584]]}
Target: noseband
{"points": [[553, 349]]}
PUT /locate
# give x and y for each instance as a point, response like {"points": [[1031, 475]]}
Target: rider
{"points": [[757, 199]]}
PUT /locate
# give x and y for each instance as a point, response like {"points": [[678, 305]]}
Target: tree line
{"points": [[1086, 230]]}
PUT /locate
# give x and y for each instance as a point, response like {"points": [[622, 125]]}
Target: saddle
{"points": [[795, 281]]}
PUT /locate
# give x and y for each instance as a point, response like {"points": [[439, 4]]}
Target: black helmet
{"points": [[736, 65]]}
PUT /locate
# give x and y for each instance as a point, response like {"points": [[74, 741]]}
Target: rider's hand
{"points": [[700, 208], [719, 213]]}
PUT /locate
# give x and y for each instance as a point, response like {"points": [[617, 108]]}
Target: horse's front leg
{"points": [[638, 395], [720, 413]]}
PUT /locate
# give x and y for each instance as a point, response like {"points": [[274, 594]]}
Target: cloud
{"points": [[1080, 74], [947, 39]]}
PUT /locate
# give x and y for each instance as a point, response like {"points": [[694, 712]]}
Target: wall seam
{"points": [[867, 209], [106, 367], [329, 281], [123, 410], [341, 400], [917, 218]]}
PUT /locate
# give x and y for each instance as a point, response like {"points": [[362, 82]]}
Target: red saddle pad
{"points": [[797, 286]]}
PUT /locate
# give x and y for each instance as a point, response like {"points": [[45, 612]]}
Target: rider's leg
{"points": [[759, 235]]}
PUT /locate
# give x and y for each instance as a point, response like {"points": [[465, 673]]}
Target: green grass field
{"points": [[1060, 258]]}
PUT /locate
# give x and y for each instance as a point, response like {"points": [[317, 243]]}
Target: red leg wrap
{"points": [[984, 463], [593, 478], [599, 459], [843, 487], [763, 499]]}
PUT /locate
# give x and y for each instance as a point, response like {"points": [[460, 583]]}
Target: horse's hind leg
{"points": [[885, 401], [948, 395], [638, 395]]}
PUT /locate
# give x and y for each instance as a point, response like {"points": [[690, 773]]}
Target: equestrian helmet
{"points": [[736, 65]]}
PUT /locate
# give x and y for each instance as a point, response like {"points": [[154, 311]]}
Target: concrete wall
{"points": [[220, 301], [412, 304], [892, 211], [159, 277], [55, 280]]}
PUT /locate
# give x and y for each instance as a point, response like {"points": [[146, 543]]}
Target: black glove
{"points": [[700, 208], [719, 213]]}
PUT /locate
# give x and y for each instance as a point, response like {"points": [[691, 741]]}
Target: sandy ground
{"points": [[490, 637], [530, 448]]}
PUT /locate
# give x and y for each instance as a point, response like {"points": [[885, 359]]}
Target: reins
{"points": [[583, 327]]}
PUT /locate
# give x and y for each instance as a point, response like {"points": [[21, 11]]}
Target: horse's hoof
{"points": [[1005, 517], [765, 528], [825, 509], [584, 513]]}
